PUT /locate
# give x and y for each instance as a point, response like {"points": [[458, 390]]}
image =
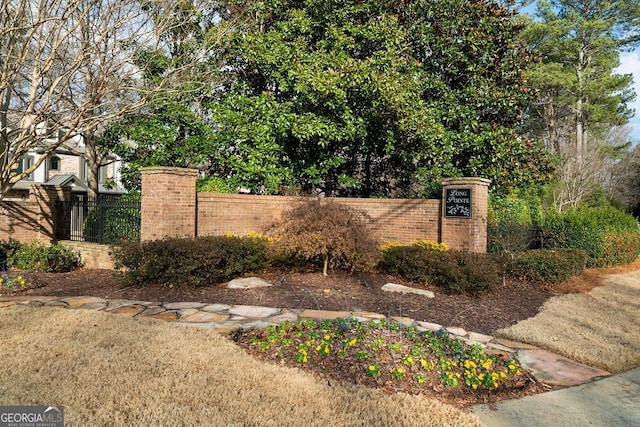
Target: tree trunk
{"points": [[94, 159], [326, 265]]}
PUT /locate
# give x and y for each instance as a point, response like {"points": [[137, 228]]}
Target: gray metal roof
{"points": [[66, 181]]}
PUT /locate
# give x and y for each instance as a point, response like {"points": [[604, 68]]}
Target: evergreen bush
{"points": [[195, 262], [548, 265], [49, 258], [608, 235]]}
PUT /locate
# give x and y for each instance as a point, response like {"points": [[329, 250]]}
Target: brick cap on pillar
{"points": [[466, 181], [152, 170]]}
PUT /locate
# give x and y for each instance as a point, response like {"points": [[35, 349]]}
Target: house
{"points": [[66, 166]]}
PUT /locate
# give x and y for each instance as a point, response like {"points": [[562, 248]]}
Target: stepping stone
{"points": [[479, 338], [434, 327], [168, 316], [253, 312], [406, 321], [557, 370], [96, 306], [150, 311], [499, 347], [75, 302], [248, 283], [514, 344], [55, 304], [131, 310], [322, 314], [368, 315], [187, 312], [215, 308], [392, 287], [461, 332], [284, 317], [182, 305], [116, 303], [44, 299], [204, 317]]}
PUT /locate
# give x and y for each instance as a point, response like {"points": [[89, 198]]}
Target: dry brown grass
{"points": [[599, 328], [116, 371]]}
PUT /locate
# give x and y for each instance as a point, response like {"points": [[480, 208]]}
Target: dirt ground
{"points": [[506, 306]]}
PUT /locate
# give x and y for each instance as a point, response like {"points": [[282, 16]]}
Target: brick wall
{"points": [[168, 202], [33, 218], [171, 208], [401, 220]]}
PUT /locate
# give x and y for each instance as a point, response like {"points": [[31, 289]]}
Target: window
{"points": [[25, 163], [54, 163], [84, 170]]}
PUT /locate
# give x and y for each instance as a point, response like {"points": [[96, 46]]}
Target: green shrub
{"points": [[454, 271], [548, 265], [7, 248], [196, 262], [50, 258], [621, 248], [511, 225], [601, 232], [327, 233]]}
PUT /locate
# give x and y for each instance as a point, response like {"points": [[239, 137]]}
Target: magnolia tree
{"points": [[67, 69]]}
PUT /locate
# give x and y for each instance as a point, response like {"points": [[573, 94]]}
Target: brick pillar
{"points": [[464, 213], [46, 196], [168, 203]]}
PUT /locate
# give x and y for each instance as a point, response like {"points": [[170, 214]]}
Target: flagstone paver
{"points": [[392, 287], [182, 305], [248, 283], [214, 308], [323, 315], [254, 312], [127, 309], [80, 301], [168, 316], [204, 317]]}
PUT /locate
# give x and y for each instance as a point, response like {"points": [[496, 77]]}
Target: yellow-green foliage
{"points": [[426, 244]]}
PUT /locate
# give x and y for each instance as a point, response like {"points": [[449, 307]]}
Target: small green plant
{"points": [[12, 281], [397, 373], [373, 370], [49, 258], [374, 348]]}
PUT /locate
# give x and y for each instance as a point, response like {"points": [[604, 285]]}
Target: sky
{"points": [[630, 64]]}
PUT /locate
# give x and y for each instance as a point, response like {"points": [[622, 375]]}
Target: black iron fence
{"points": [[105, 221]]}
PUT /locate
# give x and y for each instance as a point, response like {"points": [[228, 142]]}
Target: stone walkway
{"points": [[546, 366]]}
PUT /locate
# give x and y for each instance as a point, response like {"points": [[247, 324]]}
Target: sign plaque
{"points": [[457, 203]]}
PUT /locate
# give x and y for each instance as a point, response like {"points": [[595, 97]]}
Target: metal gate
{"points": [[107, 220]]}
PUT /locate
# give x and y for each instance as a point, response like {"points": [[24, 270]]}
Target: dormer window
{"points": [[54, 163]]}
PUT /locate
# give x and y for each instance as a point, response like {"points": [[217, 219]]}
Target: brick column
{"points": [[168, 203], [45, 197], [464, 213]]}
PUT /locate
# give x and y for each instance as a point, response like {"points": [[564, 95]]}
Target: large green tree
{"points": [[373, 98], [580, 97], [172, 129]]}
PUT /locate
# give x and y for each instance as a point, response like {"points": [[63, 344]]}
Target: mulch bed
{"points": [[512, 302]]}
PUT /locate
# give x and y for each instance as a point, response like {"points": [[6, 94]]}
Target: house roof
{"points": [[68, 181]]}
